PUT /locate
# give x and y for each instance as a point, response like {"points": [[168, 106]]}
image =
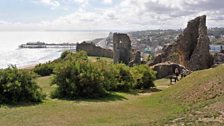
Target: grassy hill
{"points": [[203, 94], [195, 100]]}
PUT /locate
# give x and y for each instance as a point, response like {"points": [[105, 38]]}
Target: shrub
{"points": [[65, 54], [47, 69], [70, 56], [124, 77], [18, 86], [116, 77], [44, 69], [143, 76], [78, 79], [109, 73]]}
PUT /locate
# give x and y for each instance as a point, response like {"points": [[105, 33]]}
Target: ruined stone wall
{"points": [[93, 50], [169, 53], [191, 48], [193, 45], [122, 48], [135, 58]]}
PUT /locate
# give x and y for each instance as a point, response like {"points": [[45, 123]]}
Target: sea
{"points": [[11, 54]]}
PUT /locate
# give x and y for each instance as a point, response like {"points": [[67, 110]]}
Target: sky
{"points": [[107, 14]]}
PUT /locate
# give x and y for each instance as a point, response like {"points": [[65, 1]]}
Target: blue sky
{"points": [[106, 14]]}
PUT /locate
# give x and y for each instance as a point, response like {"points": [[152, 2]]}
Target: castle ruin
{"points": [[191, 49], [93, 50], [122, 48]]}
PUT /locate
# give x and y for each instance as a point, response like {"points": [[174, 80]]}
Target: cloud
{"points": [[81, 1], [107, 1], [135, 14], [144, 14], [52, 3]]}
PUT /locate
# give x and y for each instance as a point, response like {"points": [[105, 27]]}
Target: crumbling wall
{"points": [[193, 45], [169, 53], [122, 48], [136, 58], [93, 50], [191, 48]]}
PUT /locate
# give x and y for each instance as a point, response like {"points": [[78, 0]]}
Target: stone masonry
{"points": [[122, 48], [93, 50], [191, 49], [193, 45]]}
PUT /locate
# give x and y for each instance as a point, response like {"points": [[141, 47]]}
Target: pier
{"points": [[47, 45]]}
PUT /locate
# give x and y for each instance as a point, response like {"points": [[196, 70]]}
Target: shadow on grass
{"points": [[132, 92], [152, 90], [109, 97], [112, 96], [20, 104]]}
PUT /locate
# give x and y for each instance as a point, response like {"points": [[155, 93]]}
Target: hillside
{"points": [[196, 99], [202, 93]]}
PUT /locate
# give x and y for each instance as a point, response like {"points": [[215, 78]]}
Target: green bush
{"points": [[76, 77], [65, 54], [116, 77], [79, 79], [109, 73], [47, 69], [124, 77], [18, 86], [70, 56], [143, 76], [44, 69]]}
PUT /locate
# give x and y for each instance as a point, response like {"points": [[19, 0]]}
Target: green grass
{"points": [[45, 84], [94, 59], [133, 110], [162, 84], [118, 109], [195, 93]]}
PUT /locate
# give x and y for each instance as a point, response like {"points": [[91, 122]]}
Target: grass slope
{"points": [[196, 100], [202, 95]]}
